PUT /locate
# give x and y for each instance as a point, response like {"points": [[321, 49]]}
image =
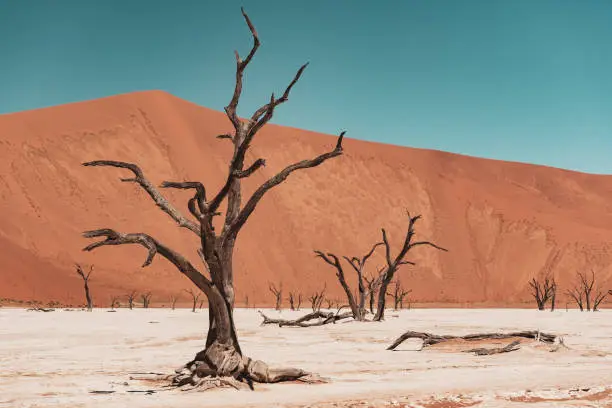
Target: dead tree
{"points": [[585, 294], [222, 355], [278, 295], [195, 295], [599, 297], [246, 301], [130, 298], [114, 302], [146, 299], [372, 285], [291, 299], [331, 303], [357, 306], [316, 299], [173, 300], [393, 264], [544, 290], [85, 277], [398, 294]]}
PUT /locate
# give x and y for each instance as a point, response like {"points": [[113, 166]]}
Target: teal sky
{"points": [[520, 80]]}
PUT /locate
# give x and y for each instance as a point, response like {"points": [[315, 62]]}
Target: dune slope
{"points": [[502, 222]]}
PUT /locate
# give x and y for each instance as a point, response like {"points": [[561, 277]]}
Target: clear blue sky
{"points": [[521, 80]]}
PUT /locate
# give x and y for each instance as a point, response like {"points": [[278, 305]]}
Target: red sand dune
{"points": [[501, 221]]}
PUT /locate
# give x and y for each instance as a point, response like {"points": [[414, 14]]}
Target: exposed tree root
{"points": [[305, 321], [198, 376], [496, 350], [431, 339]]}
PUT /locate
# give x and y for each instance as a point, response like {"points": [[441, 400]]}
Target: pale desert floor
{"points": [[58, 358]]}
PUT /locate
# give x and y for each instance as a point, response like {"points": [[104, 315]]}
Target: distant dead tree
{"points": [[295, 300], [278, 294], [585, 294], [291, 299], [85, 277], [114, 302], [173, 300], [393, 264], [372, 285], [195, 295], [316, 299], [130, 298], [357, 306], [542, 290], [246, 301], [331, 303], [222, 355], [398, 294], [146, 299]]}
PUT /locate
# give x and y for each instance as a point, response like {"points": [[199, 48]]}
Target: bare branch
{"points": [[252, 169], [230, 109], [157, 197], [154, 247], [274, 181]]}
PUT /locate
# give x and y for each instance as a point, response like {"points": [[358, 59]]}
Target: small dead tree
{"points": [[393, 264], [543, 290], [398, 294], [85, 277], [278, 295], [146, 299], [316, 299], [130, 298], [357, 306], [114, 302], [291, 299], [585, 294], [173, 300], [372, 286], [195, 295], [246, 301], [599, 297], [222, 355]]}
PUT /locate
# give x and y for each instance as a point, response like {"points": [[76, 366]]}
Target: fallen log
{"points": [[431, 339], [306, 321], [40, 309], [496, 350]]}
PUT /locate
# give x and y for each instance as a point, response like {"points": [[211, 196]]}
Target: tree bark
{"points": [[221, 356], [393, 264]]}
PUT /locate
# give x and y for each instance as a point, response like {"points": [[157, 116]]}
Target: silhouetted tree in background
{"points": [[85, 277]]}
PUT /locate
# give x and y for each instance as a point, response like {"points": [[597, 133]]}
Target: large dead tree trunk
{"points": [[221, 355], [85, 277], [393, 264]]}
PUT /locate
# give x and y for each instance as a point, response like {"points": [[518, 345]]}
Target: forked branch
{"points": [[157, 197], [154, 247]]}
